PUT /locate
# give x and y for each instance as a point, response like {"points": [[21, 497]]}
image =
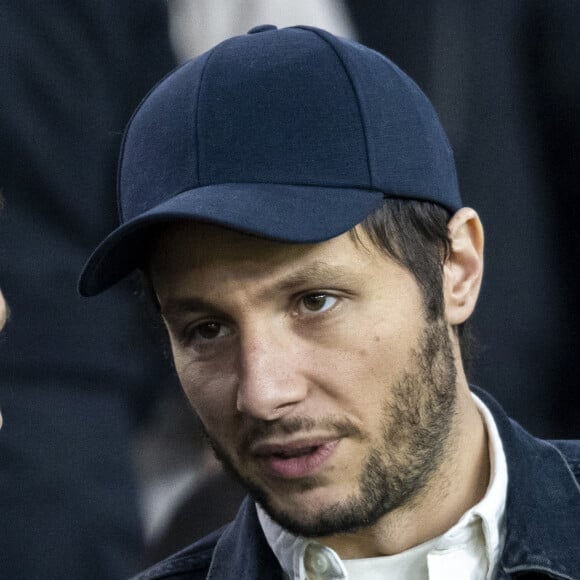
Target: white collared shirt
{"points": [[470, 550]]}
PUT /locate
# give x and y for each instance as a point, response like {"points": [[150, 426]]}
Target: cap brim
{"points": [[290, 213]]}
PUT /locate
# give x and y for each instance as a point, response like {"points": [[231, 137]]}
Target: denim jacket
{"points": [[542, 519]]}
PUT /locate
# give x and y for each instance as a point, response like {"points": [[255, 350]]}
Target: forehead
{"points": [[189, 245], [207, 253]]}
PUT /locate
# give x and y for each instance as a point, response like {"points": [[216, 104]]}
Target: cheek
{"points": [[382, 347], [211, 392], [365, 364]]}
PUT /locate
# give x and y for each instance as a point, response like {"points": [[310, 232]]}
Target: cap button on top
{"points": [[262, 28]]}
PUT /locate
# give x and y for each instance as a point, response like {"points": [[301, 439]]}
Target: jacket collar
{"points": [[543, 503], [242, 552]]}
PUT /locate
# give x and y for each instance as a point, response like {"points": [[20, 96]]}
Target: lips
{"points": [[296, 459]]}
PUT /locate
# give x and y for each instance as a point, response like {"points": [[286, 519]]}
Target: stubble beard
{"points": [[417, 421]]}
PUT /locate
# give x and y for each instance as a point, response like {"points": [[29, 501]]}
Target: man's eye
{"points": [[208, 331], [318, 302]]}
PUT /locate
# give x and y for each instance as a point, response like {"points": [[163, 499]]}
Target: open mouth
{"points": [[297, 452], [293, 462]]}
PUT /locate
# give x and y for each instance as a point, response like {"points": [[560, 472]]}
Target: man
{"points": [[292, 201]]}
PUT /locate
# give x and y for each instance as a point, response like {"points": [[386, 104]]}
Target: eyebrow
{"points": [[318, 272], [176, 306]]}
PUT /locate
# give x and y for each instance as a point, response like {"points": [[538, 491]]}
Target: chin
{"points": [[314, 512], [307, 499]]}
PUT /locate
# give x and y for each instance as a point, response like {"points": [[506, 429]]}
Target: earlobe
{"points": [[463, 269]]}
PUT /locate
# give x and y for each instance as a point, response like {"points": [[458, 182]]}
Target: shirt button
{"points": [[262, 28], [320, 564]]}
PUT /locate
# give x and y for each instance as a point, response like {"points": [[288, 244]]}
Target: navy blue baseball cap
{"points": [[292, 134]]}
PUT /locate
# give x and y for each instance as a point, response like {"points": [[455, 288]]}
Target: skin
{"points": [[285, 347]]}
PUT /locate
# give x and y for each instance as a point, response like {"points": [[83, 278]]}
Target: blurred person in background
{"points": [[197, 26], [76, 378]]}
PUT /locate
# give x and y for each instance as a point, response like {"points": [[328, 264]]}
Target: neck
{"points": [[459, 484]]}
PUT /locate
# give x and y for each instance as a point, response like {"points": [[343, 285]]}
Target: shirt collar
{"points": [[491, 508], [290, 550]]}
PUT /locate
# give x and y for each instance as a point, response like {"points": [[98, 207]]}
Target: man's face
{"points": [[313, 370]]}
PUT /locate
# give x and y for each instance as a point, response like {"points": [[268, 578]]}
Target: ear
{"points": [[463, 269]]}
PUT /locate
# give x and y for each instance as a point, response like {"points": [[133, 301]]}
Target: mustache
{"points": [[261, 430]]}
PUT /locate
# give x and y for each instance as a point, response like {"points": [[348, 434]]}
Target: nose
{"points": [[272, 379]]}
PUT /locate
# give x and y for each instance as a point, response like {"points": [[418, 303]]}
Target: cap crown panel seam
{"points": [[197, 102], [356, 96]]}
